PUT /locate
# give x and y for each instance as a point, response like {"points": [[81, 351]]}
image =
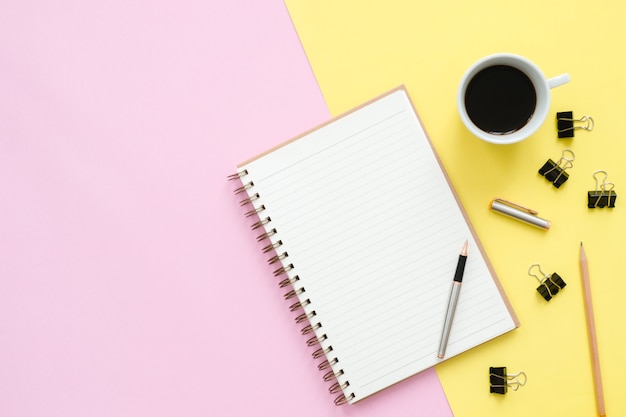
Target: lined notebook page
{"points": [[374, 232]]}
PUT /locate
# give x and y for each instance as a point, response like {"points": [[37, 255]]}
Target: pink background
{"points": [[130, 283]]}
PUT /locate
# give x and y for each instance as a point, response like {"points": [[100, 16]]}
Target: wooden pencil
{"points": [[591, 331]]}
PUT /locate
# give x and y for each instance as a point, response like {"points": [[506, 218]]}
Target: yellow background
{"points": [[359, 49]]}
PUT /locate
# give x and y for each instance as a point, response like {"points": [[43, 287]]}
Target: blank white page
{"points": [[373, 230]]}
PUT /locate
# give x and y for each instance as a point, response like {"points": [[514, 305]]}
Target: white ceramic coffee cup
{"points": [[542, 86]]}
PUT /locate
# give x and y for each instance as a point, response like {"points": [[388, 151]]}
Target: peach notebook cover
{"points": [[365, 229]]}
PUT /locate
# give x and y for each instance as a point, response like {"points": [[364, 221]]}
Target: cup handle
{"points": [[558, 80]]}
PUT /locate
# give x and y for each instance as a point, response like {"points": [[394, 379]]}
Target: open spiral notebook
{"points": [[365, 229]]}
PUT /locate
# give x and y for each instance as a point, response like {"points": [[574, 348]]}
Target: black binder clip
{"points": [[550, 285], [603, 195], [499, 381], [555, 172], [565, 124]]}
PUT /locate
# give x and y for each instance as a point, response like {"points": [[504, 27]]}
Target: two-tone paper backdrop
{"points": [[359, 49], [130, 282]]}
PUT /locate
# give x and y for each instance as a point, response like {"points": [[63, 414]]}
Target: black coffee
{"points": [[500, 99]]}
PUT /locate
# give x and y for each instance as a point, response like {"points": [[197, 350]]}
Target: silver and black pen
{"points": [[454, 298]]}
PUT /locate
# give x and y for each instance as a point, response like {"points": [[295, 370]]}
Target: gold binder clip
{"points": [[555, 172], [566, 124], [604, 194], [500, 381], [549, 284]]}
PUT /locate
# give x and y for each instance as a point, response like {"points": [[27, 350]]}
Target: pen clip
{"points": [[515, 205]]}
